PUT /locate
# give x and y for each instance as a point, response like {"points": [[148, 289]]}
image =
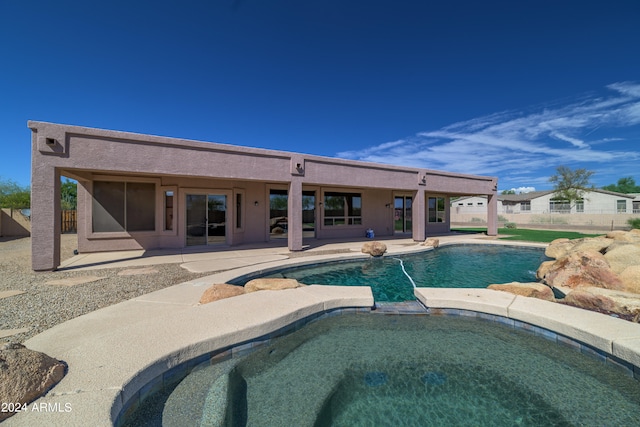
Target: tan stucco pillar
{"points": [[45, 217], [492, 215], [294, 213], [419, 217]]}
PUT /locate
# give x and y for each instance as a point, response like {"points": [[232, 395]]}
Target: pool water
{"points": [[459, 266], [354, 370]]}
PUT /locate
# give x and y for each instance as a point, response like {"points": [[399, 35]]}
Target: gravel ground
{"points": [[44, 306]]}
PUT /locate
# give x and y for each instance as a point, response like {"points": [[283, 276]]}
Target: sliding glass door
{"points": [[402, 214], [206, 219]]}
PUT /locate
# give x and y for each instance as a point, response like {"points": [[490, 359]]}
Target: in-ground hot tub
{"points": [[407, 370]]}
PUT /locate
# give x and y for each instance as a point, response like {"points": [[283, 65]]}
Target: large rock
{"points": [[220, 291], [631, 279], [559, 248], [544, 269], [582, 269], [625, 304], [431, 241], [598, 244], [621, 256], [374, 248], [26, 375], [271, 284], [632, 236], [532, 290]]}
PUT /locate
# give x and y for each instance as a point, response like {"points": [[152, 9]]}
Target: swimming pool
{"points": [[406, 370], [455, 266]]}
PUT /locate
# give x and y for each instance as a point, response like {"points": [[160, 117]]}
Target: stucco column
{"points": [[418, 217], [294, 213], [45, 217], [492, 215]]}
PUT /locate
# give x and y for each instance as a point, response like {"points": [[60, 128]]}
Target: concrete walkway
{"points": [[115, 353], [227, 258]]}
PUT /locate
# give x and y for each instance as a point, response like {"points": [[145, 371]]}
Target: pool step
{"points": [[406, 307]]}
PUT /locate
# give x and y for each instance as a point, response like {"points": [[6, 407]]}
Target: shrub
{"points": [[634, 222], [510, 225]]}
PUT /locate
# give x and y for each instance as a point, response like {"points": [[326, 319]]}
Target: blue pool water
{"points": [[377, 370], [458, 266]]}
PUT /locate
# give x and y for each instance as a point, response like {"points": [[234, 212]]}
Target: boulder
{"points": [[558, 248], [598, 244], [624, 236], [433, 242], [630, 277], [26, 375], [621, 256], [375, 249], [622, 303], [220, 291], [532, 290], [582, 269], [544, 269], [271, 284]]}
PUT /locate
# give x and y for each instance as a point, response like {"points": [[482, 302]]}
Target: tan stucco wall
{"points": [[186, 167], [578, 219], [13, 223]]}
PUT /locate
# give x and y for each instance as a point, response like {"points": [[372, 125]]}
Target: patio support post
{"points": [[294, 213], [418, 218], [45, 217], [492, 214]]}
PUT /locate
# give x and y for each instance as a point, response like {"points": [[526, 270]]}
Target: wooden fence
{"points": [[69, 221]]}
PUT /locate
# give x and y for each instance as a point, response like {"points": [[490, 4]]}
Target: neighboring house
{"points": [[146, 192], [595, 207]]}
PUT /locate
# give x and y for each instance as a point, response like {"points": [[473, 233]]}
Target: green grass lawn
{"points": [[528, 235]]}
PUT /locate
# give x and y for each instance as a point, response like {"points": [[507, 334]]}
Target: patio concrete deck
{"points": [[114, 352]]}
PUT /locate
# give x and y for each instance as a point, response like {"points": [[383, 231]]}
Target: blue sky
{"points": [[511, 89]]}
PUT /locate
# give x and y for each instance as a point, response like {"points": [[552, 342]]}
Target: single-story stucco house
{"points": [[147, 192], [595, 201], [595, 207]]}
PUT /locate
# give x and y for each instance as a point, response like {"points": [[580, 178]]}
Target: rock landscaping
{"points": [[375, 249], [25, 375], [600, 274], [223, 290]]}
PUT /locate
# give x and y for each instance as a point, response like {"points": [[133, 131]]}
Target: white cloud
{"points": [[574, 141], [514, 143], [523, 190], [631, 89]]}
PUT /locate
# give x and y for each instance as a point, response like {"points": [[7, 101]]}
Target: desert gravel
{"points": [[43, 306]]}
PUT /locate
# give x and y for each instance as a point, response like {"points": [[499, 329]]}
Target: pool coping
{"points": [[116, 352]]}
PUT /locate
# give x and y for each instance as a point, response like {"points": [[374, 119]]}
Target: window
{"points": [[580, 206], [636, 207], [123, 206], [621, 206], [342, 208], [559, 206], [525, 206], [436, 209], [480, 204], [168, 210], [239, 210]]}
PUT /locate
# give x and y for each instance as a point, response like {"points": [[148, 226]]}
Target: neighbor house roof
{"points": [[525, 197]]}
